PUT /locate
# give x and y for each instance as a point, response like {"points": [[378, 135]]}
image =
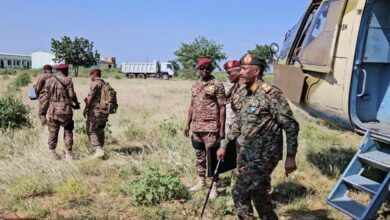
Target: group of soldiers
{"points": [[257, 114], [57, 100]]}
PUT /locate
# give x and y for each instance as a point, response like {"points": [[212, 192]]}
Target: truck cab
{"points": [[167, 70]]}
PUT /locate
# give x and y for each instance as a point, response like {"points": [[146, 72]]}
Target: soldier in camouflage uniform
{"points": [[96, 119], [39, 85], [207, 115], [233, 105], [258, 130], [60, 95]]}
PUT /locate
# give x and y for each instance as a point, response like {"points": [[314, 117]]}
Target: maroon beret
{"points": [[204, 61], [62, 66], [233, 64], [47, 67], [91, 71]]}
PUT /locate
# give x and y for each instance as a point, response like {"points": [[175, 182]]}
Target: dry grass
{"points": [[147, 131]]}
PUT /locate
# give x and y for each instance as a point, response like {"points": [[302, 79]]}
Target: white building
{"points": [[15, 61], [40, 58]]}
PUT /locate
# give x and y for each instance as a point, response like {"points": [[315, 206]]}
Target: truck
{"points": [[142, 70]]}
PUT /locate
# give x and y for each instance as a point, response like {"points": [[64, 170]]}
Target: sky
{"points": [[146, 30]]}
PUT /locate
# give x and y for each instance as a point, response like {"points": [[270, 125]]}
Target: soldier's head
{"points": [[232, 69], [205, 67], [95, 73], [252, 68], [63, 68], [47, 68]]}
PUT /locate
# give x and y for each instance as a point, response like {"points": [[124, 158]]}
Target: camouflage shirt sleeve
{"points": [[281, 111], [46, 92], [221, 96], [93, 88], [39, 85], [71, 91]]}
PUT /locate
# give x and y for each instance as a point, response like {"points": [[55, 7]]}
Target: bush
{"points": [[187, 74], [13, 113], [154, 187], [22, 79], [73, 193], [30, 186], [7, 72]]}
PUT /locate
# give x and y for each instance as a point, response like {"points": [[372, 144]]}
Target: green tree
{"points": [[189, 54], [175, 64], [78, 52], [263, 51]]}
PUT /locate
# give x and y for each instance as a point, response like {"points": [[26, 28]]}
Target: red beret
{"points": [[94, 70], [62, 66], [47, 67], [204, 61], [232, 64]]}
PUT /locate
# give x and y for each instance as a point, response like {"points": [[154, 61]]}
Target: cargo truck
{"points": [[142, 70]]}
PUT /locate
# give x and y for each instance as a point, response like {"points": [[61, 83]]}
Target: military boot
{"points": [[200, 185], [214, 192], [68, 156], [99, 153], [54, 154]]}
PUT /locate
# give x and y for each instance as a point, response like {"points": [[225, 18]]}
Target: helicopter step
{"points": [[370, 156]]}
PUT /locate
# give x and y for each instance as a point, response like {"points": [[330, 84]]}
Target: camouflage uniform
{"points": [[207, 97], [43, 104], [96, 119], [60, 112], [258, 130], [233, 104]]}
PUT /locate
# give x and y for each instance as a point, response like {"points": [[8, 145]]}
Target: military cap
{"points": [[204, 61], [47, 67], [249, 59], [232, 65], [62, 66], [93, 70]]}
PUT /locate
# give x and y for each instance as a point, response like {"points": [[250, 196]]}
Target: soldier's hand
{"points": [[187, 131], [290, 165], [221, 154]]}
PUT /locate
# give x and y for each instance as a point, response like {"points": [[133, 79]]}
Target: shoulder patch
{"points": [[267, 88]]}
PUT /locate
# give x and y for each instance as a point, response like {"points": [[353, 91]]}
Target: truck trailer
{"points": [[142, 70]]}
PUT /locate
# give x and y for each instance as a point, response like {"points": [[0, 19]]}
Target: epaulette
{"points": [[267, 88]]}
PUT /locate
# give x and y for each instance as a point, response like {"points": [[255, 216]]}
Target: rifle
{"points": [[211, 186]]}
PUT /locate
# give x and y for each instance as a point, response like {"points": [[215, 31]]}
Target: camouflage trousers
{"points": [[95, 132], [207, 139], [42, 109], [54, 127], [253, 182]]}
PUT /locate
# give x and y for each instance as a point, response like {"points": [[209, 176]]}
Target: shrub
{"points": [[29, 186], [7, 72], [22, 79], [13, 113], [73, 193], [153, 187], [187, 74]]}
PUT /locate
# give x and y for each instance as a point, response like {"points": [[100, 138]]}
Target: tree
{"points": [[76, 53], [189, 54], [264, 52], [175, 64]]}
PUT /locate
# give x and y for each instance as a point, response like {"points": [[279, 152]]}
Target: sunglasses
{"points": [[205, 68]]}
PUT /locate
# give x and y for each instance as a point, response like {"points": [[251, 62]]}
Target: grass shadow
{"points": [[331, 162], [289, 191], [308, 214], [131, 150]]}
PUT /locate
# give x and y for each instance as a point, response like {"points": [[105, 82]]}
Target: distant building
{"points": [[40, 58], [15, 61], [107, 63]]}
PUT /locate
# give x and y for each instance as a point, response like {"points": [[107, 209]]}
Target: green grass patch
{"points": [[90, 166], [30, 186], [73, 193]]}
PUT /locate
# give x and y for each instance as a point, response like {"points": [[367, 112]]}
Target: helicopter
{"points": [[335, 64]]}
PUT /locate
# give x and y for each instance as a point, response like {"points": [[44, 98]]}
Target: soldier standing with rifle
{"points": [[62, 99], [39, 86], [258, 132], [207, 115]]}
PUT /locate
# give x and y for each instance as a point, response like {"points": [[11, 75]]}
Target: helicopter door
{"points": [[370, 96]]}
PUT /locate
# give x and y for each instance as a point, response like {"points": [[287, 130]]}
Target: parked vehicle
{"points": [[148, 69]]}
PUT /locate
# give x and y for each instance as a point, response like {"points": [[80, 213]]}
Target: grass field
{"points": [[146, 134]]}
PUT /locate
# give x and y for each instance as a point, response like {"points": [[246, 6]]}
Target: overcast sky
{"points": [[146, 29]]}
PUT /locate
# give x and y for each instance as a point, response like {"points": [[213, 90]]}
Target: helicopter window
{"points": [[290, 36], [317, 45]]}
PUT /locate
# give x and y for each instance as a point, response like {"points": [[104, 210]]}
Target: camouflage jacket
{"points": [[40, 84], [94, 112], [234, 97], [58, 96], [207, 98], [264, 113]]}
